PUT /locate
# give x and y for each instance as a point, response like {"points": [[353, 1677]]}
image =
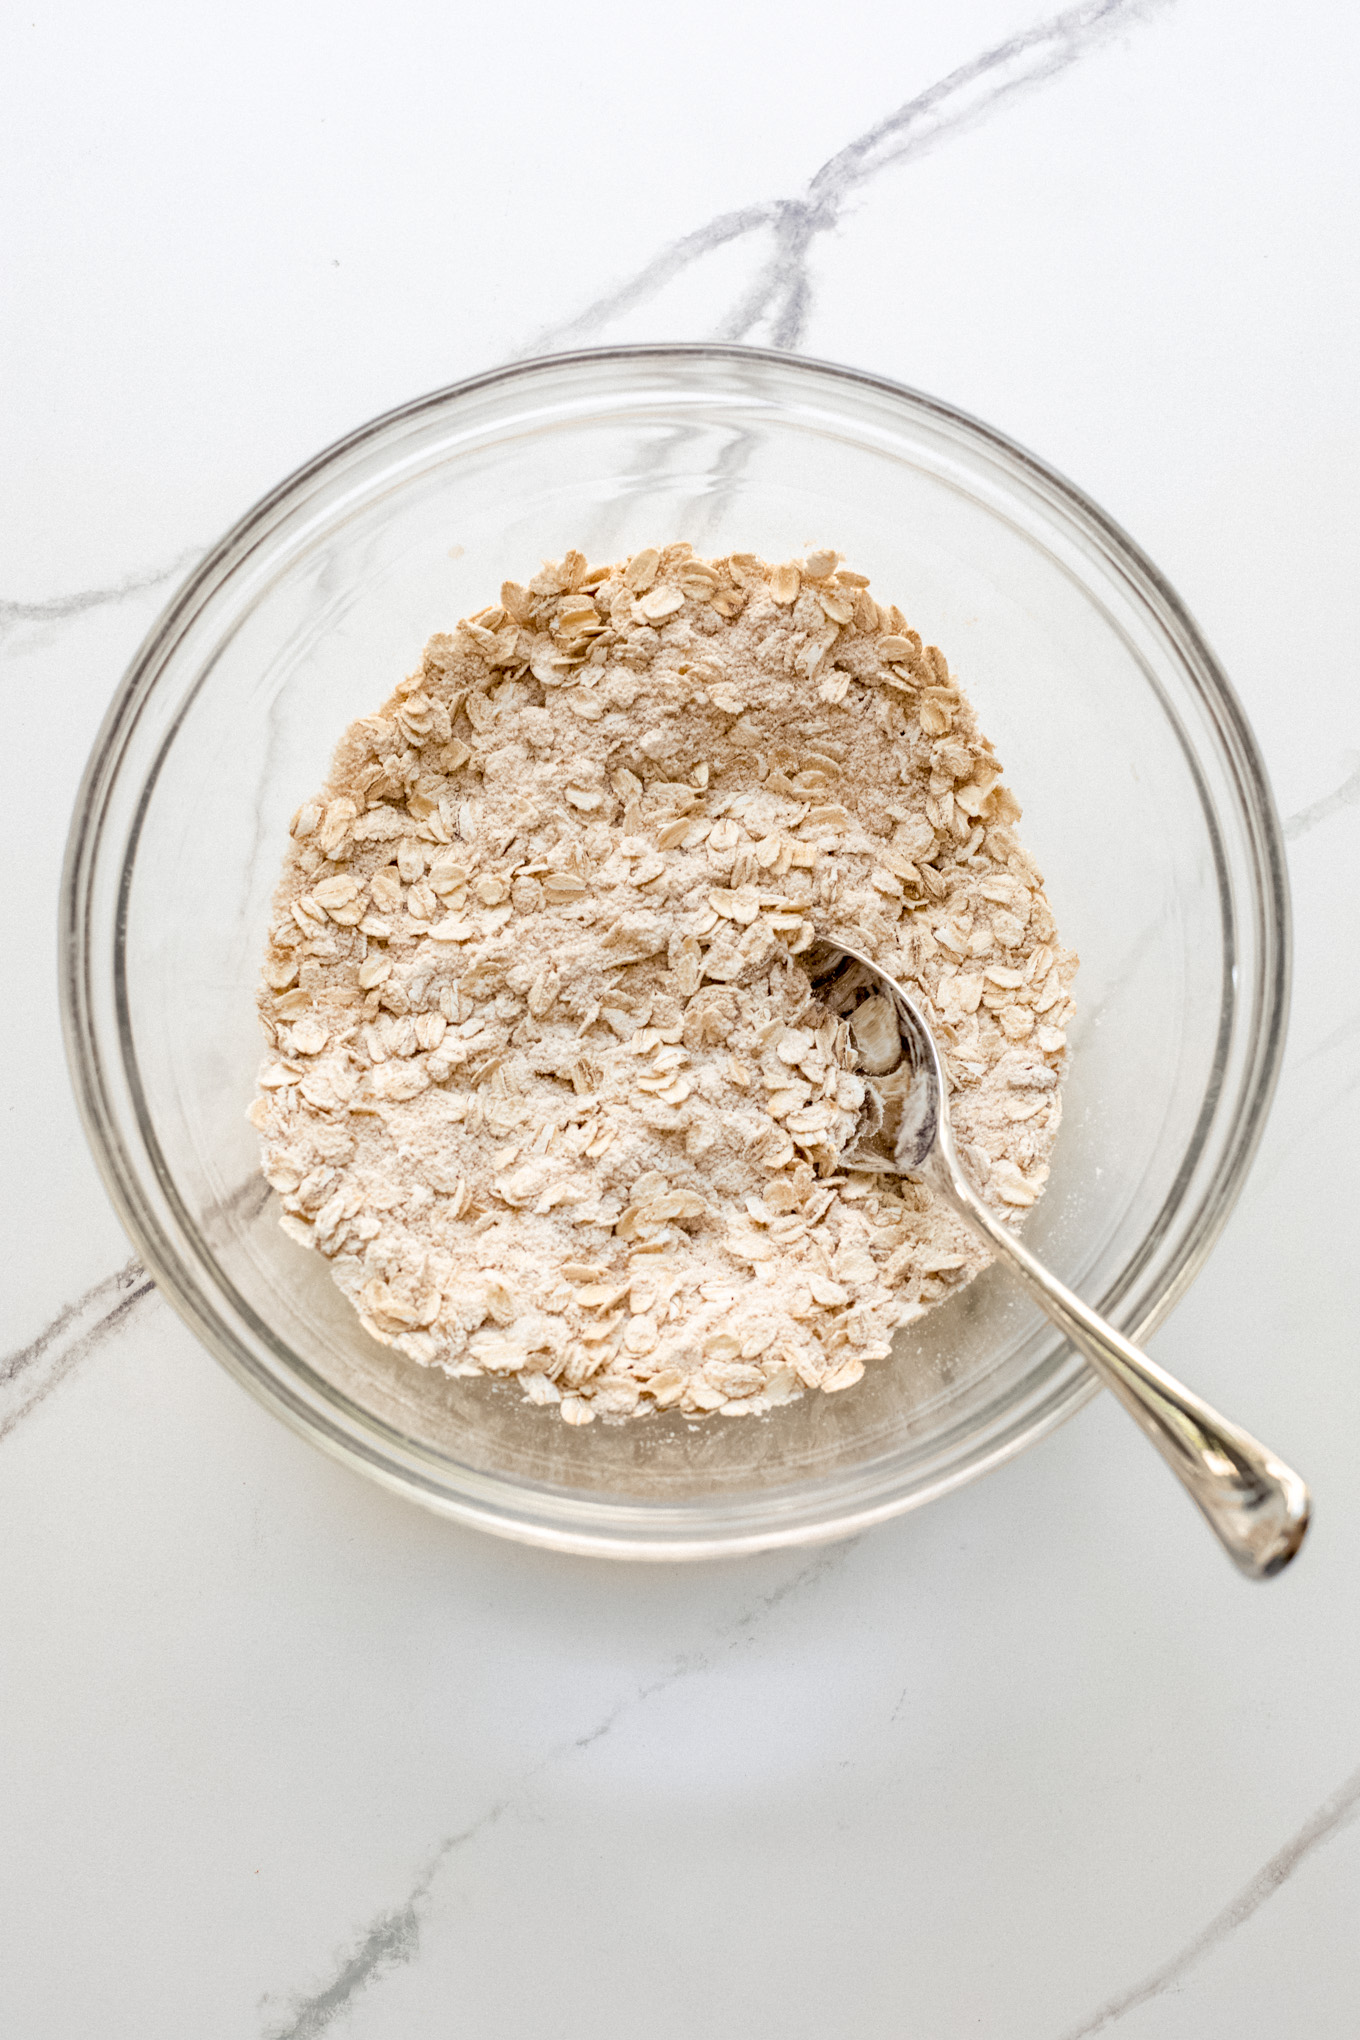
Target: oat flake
{"points": [[545, 1082]]}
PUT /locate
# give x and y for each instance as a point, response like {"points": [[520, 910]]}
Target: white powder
{"points": [[548, 1088]]}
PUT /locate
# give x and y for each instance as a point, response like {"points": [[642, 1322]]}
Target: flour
{"points": [[548, 1088]]}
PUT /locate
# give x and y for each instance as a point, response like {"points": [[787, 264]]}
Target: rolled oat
{"points": [[545, 1082]]}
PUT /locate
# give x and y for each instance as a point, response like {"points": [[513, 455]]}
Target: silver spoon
{"points": [[1256, 1506]]}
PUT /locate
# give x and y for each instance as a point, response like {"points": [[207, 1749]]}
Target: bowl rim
{"points": [[1142, 580]]}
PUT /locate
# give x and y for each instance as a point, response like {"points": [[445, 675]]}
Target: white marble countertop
{"points": [[281, 1755]]}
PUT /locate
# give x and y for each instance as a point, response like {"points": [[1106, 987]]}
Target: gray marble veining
{"points": [[79, 1329], [393, 1938], [780, 294], [1327, 1821], [1346, 795], [66, 608]]}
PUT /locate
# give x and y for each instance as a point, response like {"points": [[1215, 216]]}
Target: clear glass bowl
{"points": [[1145, 803]]}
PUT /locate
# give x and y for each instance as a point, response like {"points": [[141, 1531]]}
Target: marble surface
{"points": [[282, 1756]]}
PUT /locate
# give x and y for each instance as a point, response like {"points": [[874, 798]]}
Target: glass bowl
{"points": [[1146, 806]]}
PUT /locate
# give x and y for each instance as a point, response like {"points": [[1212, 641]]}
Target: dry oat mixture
{"points": [[546, 1086]]}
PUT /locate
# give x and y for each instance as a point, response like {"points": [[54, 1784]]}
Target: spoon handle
{"points": [[1257, 1507]]}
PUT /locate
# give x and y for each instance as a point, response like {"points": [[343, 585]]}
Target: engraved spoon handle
{"points": [[1256, 1506]]}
